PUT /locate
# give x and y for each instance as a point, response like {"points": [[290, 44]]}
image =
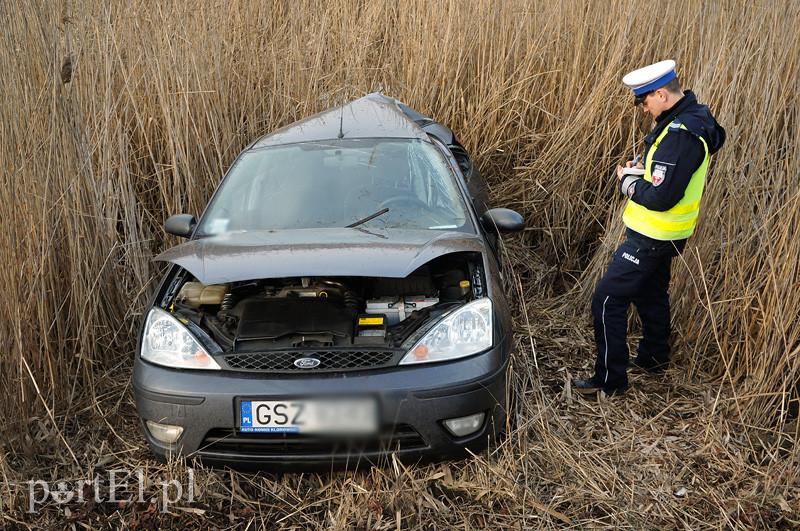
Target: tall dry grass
{"points": [[117, 114]]}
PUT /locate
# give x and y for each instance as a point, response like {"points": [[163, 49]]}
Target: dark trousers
{"points": [[639, 273]]}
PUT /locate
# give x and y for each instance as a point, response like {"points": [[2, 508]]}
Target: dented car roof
{"points": [[373, 116]]}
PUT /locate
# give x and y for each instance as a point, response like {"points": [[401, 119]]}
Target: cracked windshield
{"points": [[368, 183]]}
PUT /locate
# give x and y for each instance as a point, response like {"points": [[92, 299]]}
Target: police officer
{"points": [[664, 198]]}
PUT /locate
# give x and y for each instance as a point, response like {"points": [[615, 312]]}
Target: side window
{"points": [[478, 190], [463, 160]]}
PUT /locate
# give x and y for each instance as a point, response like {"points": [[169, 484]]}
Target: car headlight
{"points": [[465, 331], [168, 342]]}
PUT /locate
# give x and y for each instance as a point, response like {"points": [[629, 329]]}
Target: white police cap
{"points": [[650, 77]]}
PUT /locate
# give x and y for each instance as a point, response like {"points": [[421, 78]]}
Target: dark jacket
{"points": [[680, 153]]}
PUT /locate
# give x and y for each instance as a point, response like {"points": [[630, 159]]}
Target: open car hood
{"points": [[233, 257]]}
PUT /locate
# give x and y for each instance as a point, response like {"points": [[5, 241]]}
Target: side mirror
{"points": [[502, 220], [180, 225]]}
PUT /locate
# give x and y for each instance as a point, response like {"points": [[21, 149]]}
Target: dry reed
{"points": [[117, 114]]}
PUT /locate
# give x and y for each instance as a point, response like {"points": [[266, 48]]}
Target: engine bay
{"points": [[319, 312]]}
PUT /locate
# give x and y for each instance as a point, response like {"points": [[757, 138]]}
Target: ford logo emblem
{"points": [[306, 363]]}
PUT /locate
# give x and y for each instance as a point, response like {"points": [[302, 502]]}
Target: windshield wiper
{"points": [[368, 218]]}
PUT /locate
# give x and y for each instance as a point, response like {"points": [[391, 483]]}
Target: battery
{"points": [[371, 325]]}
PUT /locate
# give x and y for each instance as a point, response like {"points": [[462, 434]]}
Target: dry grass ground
{"points": [[116, 114]]}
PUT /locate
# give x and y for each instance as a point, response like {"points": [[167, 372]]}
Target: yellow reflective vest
{"points": [[679, 221]]}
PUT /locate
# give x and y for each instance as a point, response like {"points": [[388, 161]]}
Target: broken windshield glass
{"points": [[333, 183]]}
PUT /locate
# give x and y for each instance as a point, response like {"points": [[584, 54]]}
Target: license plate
{"points": [[335, 416]]}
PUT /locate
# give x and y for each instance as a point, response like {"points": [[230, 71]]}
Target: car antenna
{"points": [[341, 120]]}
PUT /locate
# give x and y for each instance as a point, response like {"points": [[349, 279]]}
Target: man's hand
{"points": [[627, 183], [628, 164]]}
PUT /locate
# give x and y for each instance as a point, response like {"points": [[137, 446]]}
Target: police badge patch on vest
{"points": [[659, 173]]}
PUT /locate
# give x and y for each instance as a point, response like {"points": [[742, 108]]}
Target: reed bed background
{"points": [[118, 114]]}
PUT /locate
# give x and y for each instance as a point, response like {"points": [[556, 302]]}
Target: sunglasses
{"points": [[638, 100]]}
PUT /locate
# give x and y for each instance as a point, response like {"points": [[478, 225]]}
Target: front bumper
{"points": [[412, 400]]}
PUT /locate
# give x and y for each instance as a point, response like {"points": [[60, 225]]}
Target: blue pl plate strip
{"points": [[247, 415]]}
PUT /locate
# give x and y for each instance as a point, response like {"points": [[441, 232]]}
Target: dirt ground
{"points": [[670, 454]]}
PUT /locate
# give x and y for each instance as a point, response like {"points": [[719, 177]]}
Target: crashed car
{"points": [[338, 301]]}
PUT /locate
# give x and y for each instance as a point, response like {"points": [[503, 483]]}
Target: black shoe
{"points": [[591, 386], [650, 367]]}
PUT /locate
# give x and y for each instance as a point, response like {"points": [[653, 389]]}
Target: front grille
{"points": [[330, 360], [227, 441]]}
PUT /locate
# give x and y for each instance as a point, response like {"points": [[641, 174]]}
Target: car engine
{"points": [[311, 312]]}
